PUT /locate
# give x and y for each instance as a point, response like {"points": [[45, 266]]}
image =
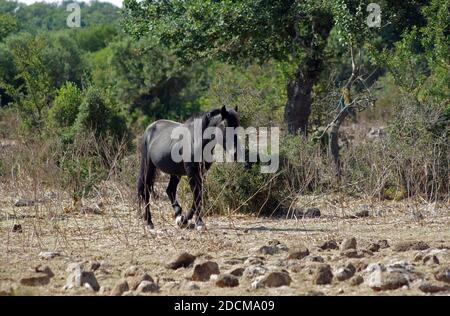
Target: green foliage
{"points": [[8, 24], [65, 109], [96, 113], [94, 38], [234, 187], [33, 96]]}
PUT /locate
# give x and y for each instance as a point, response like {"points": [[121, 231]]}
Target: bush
{"points": [[64, 111]]}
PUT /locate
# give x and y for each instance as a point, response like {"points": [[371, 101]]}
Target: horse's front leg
{"points": [[196, 184]]}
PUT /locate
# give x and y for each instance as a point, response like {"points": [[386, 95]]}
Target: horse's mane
{"points": [[202, 115]]}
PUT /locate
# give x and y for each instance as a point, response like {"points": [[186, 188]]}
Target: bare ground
{"points": [[114, 237]]}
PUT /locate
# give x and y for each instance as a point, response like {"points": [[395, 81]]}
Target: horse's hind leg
{"points": [[147, 190], [172, 193]]}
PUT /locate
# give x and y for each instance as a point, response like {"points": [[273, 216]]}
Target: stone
{"points": [[430, 260], [314, 293], [45, 269], [23, 202], [17, 228], [120, 288], [238, 272], [95, 266], [375, 267], [276, 279], [227, 280], [254, 261], [345, 272], [183, 260], [79, 278], [189, 286], [356, 280], [383, 243], [132, 271], [203, 271], [316, 259], [134, 281], [48, 255], [323, 274], [348, 243], [443, 275], [400, 266], [147, 287], [362, 213], [38, 279], [382, 281], [330, 244], [268, 250], [410, 245], [428, 287], [253, 271], [373, 247], [351, 253], [298, 253]]}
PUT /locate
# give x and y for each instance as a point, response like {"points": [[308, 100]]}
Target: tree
{"points": [[241, 32], [8, 24]]}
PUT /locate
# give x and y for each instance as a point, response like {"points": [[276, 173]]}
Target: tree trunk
{"points": [[298, 106]]}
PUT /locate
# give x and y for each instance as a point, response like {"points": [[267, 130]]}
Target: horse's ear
{"points": [[224, 112], [236, 108]]}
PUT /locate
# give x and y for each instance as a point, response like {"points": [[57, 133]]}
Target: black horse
{"points": [[157, 150]]}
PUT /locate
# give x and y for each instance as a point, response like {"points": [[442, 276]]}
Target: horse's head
{"points": [[227, 120]]}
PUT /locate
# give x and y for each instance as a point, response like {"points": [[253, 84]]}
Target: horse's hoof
{"points": [[200, 227], [180, 221]]}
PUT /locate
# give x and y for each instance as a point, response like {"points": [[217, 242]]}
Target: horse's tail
{"points": [[146, 174]]}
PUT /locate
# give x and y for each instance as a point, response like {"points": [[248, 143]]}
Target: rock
{"points": [[314, 293], [345, 272], [189, 286], [362, 213], [400, 266], [360, 265], [234, 261], [257, 284], [203, 271], [410, 245], [428, 287], [48, 254], [323, 274], [350, 253], [38, 279], [443, 275], [311, 213], [23, 202], [268, 250], [348, 243], [316, 259], [120, 288], [330, 244], [298, 253], [227, 280], [134, 281], [147, 287], [183, 260], [382, 281], [95, 266], [430, 260], [373, 247], [45, 269], [254, 261], [276, 279], [17, 228], [74, 266], [80, 278], [383, 243], [238, 272], [6, 290], [356, 280], [254, 271], [375, 267], [132, 271]]}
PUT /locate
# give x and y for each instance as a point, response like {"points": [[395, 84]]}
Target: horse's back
{"points": [[159, 144]]}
